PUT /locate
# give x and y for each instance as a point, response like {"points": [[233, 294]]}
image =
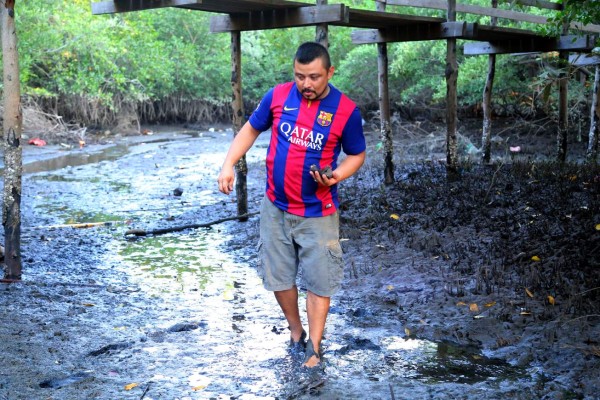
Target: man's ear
{"points": [[330, 72]]}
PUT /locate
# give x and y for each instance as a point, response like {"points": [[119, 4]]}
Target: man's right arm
{"points": [[242, 142]]}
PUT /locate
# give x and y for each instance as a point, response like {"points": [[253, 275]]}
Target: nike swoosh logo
{"points": [[286, 108]]}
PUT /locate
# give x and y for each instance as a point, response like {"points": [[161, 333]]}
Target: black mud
{"points": [[478, 284]]}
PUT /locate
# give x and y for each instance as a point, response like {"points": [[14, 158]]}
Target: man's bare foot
{"points": [[312, 357]]}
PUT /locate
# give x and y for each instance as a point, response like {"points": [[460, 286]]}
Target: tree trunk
{"points": [[241, 168], [451, 96], [12, 128], [486, 137], [563, 111], [384, 109], [592, 150], [322, 30]]}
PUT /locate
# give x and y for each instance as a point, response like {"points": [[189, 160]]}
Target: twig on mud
{"points": [[492, 182], [392, 392], [582, 317], [81, 225], [146, 390], [585, 291], [141, 232]]}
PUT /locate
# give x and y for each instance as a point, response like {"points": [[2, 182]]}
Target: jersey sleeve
{"points": [[262, 118], [353, 138]]}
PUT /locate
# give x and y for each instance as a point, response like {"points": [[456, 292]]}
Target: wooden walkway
{"points": [[382, 26]]}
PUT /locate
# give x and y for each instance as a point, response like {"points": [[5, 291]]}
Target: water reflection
{"points": [[174, 263]]}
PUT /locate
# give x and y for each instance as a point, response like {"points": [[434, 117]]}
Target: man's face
{"points": [[312, 78]]}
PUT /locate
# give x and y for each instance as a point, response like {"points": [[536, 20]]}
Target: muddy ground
{"points": [[479, 284]]}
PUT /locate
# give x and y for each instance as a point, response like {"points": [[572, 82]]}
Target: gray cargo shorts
{"points": [[289, 243]]}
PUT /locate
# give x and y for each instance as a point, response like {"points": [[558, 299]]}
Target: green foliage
{"points": [[162, 54]]}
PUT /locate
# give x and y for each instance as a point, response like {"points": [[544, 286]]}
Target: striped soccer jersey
{"points": [[305, 132]]}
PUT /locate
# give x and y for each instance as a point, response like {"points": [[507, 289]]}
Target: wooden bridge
{"points": [[382, 26]]}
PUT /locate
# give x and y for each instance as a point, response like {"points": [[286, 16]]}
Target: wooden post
{"points": [[384, 108], [451, 95], [237, 104], [11, 143], [592, 150], [322, 30], [486, 137]]}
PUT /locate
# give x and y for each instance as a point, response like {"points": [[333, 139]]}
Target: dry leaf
{"points": [[525, 313], [131, 386], [550, 299], [394, 216], [407, 331], [490, 304], [528, 293], [461, 303], [199, 387], [473, 307], [88, 304], [390, 287], [536, 258]]}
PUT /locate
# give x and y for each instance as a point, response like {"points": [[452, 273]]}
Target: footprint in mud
{"points": [[56, 383]]}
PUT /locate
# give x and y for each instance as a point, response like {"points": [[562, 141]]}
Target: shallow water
{"points": [[190, 317]]}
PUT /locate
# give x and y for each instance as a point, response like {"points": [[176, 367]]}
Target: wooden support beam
{"points": [[238, 120], [281, 18], [387, 137], [486, 104], [451, 95], [119, 6], [592, 149], [322, 30], [417, 32], [531, 45]]}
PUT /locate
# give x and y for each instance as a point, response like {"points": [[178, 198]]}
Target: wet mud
{"points": [[478, 284]]}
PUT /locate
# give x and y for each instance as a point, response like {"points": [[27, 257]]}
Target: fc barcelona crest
{"points": [[324, 119]]}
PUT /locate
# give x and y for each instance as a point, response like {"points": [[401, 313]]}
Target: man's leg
{"points": [[317, 308], [288, 301]]}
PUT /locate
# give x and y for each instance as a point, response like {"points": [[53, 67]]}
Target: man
{"points": [[311, 122]]}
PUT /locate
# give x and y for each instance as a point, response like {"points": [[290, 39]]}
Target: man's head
{"points": [[312, 70]]}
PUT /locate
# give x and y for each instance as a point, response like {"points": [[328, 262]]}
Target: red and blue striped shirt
{"points": [[306, 132]]}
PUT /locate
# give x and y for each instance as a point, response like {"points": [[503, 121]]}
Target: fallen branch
{"points": [[141, 232], [81, 225]]}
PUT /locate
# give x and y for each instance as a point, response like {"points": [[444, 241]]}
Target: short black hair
{"points": [[310, 51]]}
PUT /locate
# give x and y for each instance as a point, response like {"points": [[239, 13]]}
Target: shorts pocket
{"points": [[260, 265], [336, 265]]}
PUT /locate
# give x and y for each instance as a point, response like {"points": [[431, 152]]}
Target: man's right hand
{"points": [[225, 180]]}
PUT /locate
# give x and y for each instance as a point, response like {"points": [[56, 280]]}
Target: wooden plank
{"points": [[419, 32], [536, 3], [380, 20], [239, 6], [532, 45], [119, 6], [274, 19], [472, 9], [489, 12], [582, 60]]}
